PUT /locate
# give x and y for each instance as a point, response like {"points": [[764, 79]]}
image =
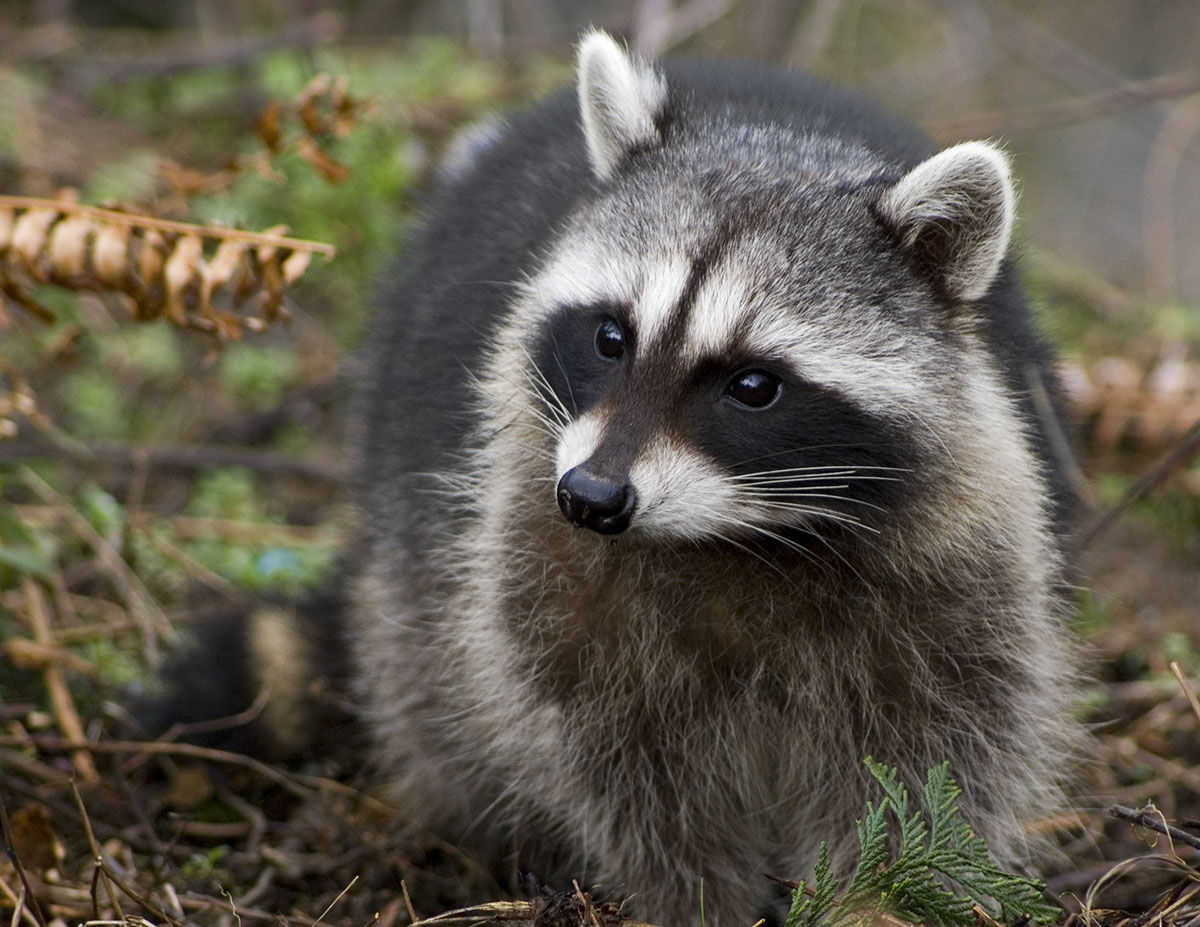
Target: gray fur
{"points": [[689, 703]]}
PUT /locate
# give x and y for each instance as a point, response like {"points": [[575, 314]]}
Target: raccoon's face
{"points": [[741, 348], [709, 377]]}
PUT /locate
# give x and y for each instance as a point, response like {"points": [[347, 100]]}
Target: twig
{"points": [[1187, 689], [192, 527], [203, 903], [189, 564], [1159, 193], [1172, 770], [585, 905], [1183, 451], [659, 30], [97, 856], [412, 914], [141, 605], [232, 905], [256, 891], [65, 712], [339, 897], [295, 783], [182, 730], [1155, 823], [1060, 444], [1071, 110], [1084, 284], [134, 895], [175, 457], [289, 782], [188, 52], [20, 910]]}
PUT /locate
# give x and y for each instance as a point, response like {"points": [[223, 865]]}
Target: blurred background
{"points": [[1098, 101], [153, 476]]}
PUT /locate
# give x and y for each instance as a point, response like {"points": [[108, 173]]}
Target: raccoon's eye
{"points": [[610, 339], [755, 389]]}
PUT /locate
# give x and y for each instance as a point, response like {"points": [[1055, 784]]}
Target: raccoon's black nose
{"points": [[596, 502]]}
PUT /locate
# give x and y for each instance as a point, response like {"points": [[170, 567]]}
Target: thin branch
{"points": [[1183, 451], [1159, 195], [1071, 110], [1187, 689], [1155, 822], [295, 783], [173, 456], [141, 604], [97, 856], [65, 712]]}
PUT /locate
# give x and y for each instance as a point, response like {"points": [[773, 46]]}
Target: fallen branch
{"points": [[1155, 822]]}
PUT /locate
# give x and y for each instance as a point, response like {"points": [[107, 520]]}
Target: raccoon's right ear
{"points": [[954, 213], [621, 100]]}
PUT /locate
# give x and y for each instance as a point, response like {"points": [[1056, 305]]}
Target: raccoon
{"points": [[699, 462]]}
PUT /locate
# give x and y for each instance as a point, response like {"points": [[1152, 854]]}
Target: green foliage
{"points": [[1179, 647], [258, 374], [21, 550], [206, 866], [936, 849], [232, 493], [95, 405], [1092, 613], [145, 352]]}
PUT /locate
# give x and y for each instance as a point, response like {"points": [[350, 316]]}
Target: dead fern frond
{"points": [[325, 111], [213, 279]]}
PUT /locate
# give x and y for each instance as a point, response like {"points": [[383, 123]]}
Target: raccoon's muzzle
{"points": [[589, 500]]}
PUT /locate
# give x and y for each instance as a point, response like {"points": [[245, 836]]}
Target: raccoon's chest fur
{"points": [[701, 462]]}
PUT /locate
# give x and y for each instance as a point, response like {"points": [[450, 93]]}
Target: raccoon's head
{"points": [[751, 333]]}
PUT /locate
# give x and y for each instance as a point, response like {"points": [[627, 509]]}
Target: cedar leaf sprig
{"points": [[937, 852]]}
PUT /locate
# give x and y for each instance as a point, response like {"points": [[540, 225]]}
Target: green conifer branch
{"points": [[937, 852]]}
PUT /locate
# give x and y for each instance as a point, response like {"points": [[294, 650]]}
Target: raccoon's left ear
{"points": [[621, 100], [954, 212]]}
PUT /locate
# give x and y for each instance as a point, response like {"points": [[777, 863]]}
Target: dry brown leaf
{"points": [[272, 285], [151, 257], [110, 254], [8, 218], [321, 161], [294, 267], [33, 838], [182, 271], [268, 126], [29, 237], [186, 183], [68, 247], [220, 270], [308, 104]]}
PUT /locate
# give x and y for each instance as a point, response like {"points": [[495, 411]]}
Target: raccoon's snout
{"points": [[596, 502]]}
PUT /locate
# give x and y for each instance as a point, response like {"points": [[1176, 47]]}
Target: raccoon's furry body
{"points": [[769, 355]]}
